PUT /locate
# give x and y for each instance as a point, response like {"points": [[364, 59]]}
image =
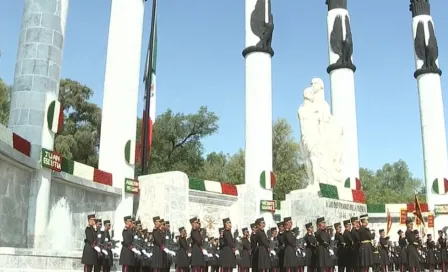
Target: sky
{"points": [[200, 63]]}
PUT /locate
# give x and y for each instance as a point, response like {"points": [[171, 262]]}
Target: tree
{"points": [[393, 183], [5, 102], [176, 143], [80, 136], [287, 163]]}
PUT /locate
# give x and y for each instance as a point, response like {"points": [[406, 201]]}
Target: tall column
{"points": [[36, 82], [119, 114], [432, 115], [258, 54], [342, 81]]}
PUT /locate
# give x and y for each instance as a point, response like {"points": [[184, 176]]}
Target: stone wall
{"points": [[71, 199], [14, 195]]}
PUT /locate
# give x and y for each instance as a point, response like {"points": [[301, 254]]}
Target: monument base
{"points": [[307, 205]]}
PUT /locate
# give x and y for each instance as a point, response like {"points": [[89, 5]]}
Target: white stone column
{"points": [[258, 150], [342, 82], [431, 103], [36, 82], [121, 85]]}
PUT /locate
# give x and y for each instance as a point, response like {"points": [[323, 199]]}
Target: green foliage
{"points": [[393, 183], [287, 163], [176, 142], [5, 102], [80, 136]]}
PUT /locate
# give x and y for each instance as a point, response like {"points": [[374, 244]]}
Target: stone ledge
{"points": [[75, 254], [211, 198], [8, 153], [85, 184]]}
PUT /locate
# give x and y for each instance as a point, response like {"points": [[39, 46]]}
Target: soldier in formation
{"points": [[350, 246]]}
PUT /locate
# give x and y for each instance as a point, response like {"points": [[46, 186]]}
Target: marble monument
{"points": [[322, 137]]}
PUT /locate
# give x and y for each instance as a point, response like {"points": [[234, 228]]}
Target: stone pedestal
{"points": [[164, 195], [306, 206]]}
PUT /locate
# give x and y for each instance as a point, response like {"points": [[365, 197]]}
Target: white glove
{"points": [[97, 249], [106, 239], [217, 255], [238, 239], [167, 251], [237, 252], [210, 255], [173, 253], [148, 255], [273, 253], [206, 239], [136, 251], [189, 254], [99, 236], [105, 252], [331, 252], [204, 252], [144, 252], [297, 237], [167, 237]]}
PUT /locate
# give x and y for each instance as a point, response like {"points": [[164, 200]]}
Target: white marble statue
{"points": [[322, 137]]}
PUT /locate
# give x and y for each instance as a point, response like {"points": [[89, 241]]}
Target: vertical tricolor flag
{"points": [[149, 77], [418, 210], [389, 222]]}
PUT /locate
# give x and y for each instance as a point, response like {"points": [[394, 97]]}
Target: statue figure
{"points": [[262, 24], [322, 137]]}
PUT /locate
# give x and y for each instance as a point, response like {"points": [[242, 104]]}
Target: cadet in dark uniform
{"points": [[254, 247], [341, 246], [384, 250], [227, 258], [402, 252], [197, 256], [273, 245], [413, 256], [160, 251], [281, 247], [324, 260], [431, 260], [91, 250], [310, 248], [366, 250], [290, 261], [183, 260], [347, 249], [441, 241], [246, 261], [127, 258], [356, 244], [108, 261], [214, 250], [263, 252], [98, 235]]}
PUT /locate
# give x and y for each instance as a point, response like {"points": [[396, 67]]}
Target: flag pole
{"points": [[148, 82]]}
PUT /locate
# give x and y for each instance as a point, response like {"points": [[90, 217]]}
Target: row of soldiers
{"points": [[349, 246]]}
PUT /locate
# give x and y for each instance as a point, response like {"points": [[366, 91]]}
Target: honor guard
{"points": [[108, 260], [384, 250], [356, 243], [441, 242], [228, 249], [324, 260], [366, 249], [290, 261], [183, 254], [263, 250], [341, 246], [246, 262], [127, 255], [310, 248], [347, 249], [413, 256], [91, 250], [281, 247], [197, 256], [214, 250], [254, 247]]}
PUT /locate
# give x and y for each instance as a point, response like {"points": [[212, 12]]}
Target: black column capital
{"points": [[335, 4], [420, 7]]}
